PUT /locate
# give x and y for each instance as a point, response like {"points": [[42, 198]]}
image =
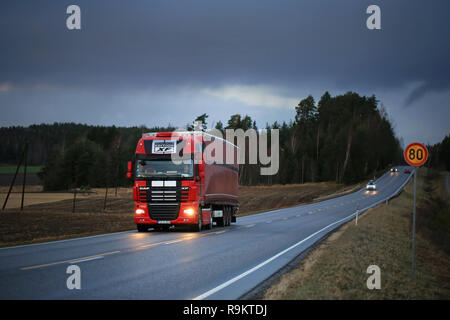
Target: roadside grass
{"points": [[336, 269], [255, 199], [48, 216]]}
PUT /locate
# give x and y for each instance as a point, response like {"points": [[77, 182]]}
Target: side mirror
{"points": [[129, 169]]}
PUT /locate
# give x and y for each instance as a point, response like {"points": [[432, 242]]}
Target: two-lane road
{"points": [[223, 263]]}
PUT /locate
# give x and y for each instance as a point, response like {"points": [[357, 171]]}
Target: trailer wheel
{"points": [[221, 221], [228, 217], [142, 228]]}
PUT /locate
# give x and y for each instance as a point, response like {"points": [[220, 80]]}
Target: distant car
{"points": [[371, 185], [407, 171], [394, 170]]}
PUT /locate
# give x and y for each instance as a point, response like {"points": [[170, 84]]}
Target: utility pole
{"points": [[25, 156], [13, 181]]}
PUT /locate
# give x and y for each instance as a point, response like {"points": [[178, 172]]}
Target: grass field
{"points": [[48, 216], [336, 269], [12, 169]]}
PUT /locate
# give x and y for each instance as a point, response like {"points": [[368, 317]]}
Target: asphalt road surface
{"points": [[223, 263]]}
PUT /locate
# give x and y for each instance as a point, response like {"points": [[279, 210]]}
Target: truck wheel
{"points": [[142, 228], [199, 225], [227, 217], [210, 225]]}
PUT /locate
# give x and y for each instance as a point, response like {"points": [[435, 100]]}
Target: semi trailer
{"points": [[197, 191]]}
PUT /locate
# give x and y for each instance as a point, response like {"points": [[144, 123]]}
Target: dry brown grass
{"points": [[337, 268], [55, 220], [253, 199], [48, 216], [34, 195]]}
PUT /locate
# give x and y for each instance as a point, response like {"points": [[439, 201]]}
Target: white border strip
{"points": [[66, 240], [242, 275]]}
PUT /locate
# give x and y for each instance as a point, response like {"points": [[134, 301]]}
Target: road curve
{"points": [[223, 263]]}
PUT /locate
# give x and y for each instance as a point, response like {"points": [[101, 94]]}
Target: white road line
{"points": [[242, 275], [250, 225], [262, 264], [174, 241], [66, 240], [84, 260]]}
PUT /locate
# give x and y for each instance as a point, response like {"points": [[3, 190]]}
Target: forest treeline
{"points": [[344, 138]]}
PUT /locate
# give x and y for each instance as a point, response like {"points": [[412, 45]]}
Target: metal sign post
{"points": [[415, 154], [414, 226]]}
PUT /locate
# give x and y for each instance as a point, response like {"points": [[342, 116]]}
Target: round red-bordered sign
{"points": [[416, 154]]}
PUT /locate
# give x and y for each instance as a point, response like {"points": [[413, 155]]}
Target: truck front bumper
{"points": [[188, 214]]}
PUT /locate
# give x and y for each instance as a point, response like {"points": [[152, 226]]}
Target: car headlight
{"points": [[140, 211], [189, 211]]}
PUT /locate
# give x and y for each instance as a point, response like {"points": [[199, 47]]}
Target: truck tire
{"points": [[210, 225], [220, 221], [198, 227], [142, 228], [227, 217]]}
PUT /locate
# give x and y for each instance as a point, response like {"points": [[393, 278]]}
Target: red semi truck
{"points": [[195, 193]]}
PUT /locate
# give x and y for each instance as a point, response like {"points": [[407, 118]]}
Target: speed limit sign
{"points": [[416, 154]]}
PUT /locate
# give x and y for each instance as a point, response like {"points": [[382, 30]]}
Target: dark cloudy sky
{"points": [[156, 62]]}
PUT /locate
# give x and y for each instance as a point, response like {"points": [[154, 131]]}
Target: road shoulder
{"points": [[337, 268]]}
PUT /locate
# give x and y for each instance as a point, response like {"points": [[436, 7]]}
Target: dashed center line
{"points": [[88, 259], [69, 261], [174, 241]]}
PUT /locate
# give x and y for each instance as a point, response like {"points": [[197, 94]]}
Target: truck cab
{"points": [[189, 193]]}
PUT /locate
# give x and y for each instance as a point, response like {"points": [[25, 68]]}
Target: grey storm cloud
{"points": [[223, 48], [166, 42]]}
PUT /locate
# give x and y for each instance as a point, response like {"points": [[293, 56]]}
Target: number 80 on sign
{"points": [[416, 154]]}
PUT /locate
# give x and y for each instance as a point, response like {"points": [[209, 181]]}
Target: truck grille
{"points": [[164, 211], [163, 194]]}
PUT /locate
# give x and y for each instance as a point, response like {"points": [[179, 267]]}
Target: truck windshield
{"points": [[158, 168]]}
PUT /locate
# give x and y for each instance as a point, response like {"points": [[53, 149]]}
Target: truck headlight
{"points": [[140, 211], [189, 211]]}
